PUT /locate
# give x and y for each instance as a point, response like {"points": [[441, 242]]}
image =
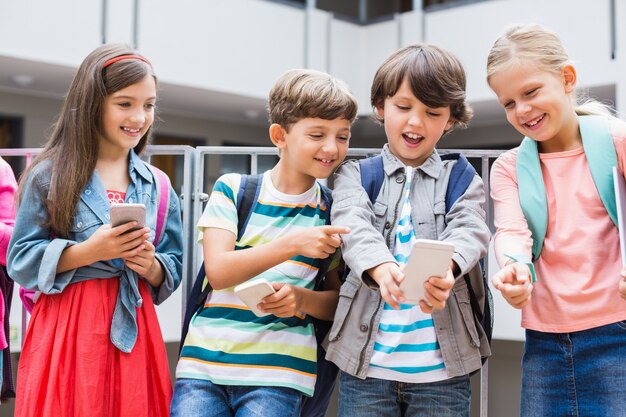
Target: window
{"points": [[365, 11]]}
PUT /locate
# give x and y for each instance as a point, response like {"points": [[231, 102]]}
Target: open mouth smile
{"points": [[325, 162], [412, 139], [534, 123]]}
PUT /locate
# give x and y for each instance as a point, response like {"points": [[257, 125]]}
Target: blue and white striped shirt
{"points": [[406, 347]]}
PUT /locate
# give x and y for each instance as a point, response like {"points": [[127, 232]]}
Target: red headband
{"points": [[121, 57]]}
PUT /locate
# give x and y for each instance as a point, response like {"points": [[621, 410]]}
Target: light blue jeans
{"points": [[373, 397], [575, 374], [200, 398]]}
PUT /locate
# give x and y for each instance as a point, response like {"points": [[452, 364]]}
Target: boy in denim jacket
{"points": [[400, 359]]}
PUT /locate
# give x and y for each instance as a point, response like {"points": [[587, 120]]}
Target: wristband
{"points": [[531, 266]]}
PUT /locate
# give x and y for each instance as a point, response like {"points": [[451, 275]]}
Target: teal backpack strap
{"points": [[532, 192], [601, 156]]}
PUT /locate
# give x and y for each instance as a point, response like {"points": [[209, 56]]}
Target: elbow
{"points": [[215, 277]]}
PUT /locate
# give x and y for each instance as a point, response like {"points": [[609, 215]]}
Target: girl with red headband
{"points": [[94, 345]]}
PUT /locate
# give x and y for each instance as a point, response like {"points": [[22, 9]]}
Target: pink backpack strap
{"points": [[163, 196]]}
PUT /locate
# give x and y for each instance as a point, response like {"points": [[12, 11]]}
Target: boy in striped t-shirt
{"points": [[399, 359], [233, 362]]}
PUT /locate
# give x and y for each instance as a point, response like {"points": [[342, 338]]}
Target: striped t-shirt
{"points": [[227, 344], [406, 347]]}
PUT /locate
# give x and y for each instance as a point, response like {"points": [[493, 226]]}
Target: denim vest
{"points": [[33, 256]]}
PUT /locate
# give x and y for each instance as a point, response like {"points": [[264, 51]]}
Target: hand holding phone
{"points": [[429, 258], [122, 213], [252, 292]]}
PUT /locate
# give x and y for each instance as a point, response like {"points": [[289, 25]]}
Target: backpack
{"points": [[601, 156], [247, 196], [461, 176], [29, 297]]}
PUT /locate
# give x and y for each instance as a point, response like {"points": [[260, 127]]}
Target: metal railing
{"points": [[186, 204], [194, 181]]}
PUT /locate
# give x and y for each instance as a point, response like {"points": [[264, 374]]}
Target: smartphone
{"points": [[429, 258], [122, 213], [252, 292]]}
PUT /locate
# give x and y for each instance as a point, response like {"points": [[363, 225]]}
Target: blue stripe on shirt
{"points": [[417, 347], [405, 328]]}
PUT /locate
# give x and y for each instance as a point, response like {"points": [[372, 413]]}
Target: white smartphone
{"points": [[252, 292], [122, 213], [429, 258]]}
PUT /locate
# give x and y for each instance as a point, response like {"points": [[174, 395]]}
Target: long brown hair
{"points": [[73, 147]]}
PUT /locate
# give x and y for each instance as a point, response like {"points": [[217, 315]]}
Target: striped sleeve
{"points": [[221, 210]]}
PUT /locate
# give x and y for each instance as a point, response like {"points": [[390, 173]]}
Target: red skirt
{"points": [[70, 368]]}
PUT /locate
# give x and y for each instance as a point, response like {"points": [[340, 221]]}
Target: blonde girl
{"points": [[556, 239]]}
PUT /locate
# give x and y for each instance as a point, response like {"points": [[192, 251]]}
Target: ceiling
{"points": [[20, 76], [35, 78]]}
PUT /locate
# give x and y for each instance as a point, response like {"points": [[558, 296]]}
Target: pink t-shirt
{"points": [[578, 271]]}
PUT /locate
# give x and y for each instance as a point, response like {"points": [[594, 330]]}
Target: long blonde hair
{"points": [[542, 47]]}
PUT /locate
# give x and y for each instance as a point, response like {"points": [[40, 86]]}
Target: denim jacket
{"points": [[350, 342], [33, 255]]}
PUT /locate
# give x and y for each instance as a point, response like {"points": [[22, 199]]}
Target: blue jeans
{"points": [[201, 398], [575, 374], [373, 397]]}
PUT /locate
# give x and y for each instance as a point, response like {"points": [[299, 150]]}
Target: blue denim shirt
{"points": [[33, 255]]}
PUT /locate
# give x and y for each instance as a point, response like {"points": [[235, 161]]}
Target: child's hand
{"points": [[108, 242], [437, 292], [317, 242], [622, 285], [147, 265], [513, 281], [284, 303], [388, 276]]}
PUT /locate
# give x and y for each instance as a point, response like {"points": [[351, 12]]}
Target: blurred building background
{"points": [[217, 59]]}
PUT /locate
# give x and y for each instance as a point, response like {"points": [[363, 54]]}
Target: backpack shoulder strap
{"points": [[327, 196], [163, 198], [601, 156], [532, 192], [372, 175], [249, 190], [461, 176], [324, 264]]}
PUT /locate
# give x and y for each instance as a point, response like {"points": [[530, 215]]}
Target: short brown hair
{"points": [[300, 94], [435, 75]]}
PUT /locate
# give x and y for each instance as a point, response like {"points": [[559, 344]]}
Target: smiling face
{"points": [[312, 147], [539, 104], [127, 114], [412, 128]]}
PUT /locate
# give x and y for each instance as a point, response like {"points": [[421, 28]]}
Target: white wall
{"points": [[241, 46], [470, 31], [238, 46], [49, 30]]}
